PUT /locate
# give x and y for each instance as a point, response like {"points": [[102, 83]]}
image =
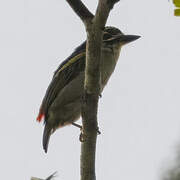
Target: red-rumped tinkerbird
{"points": [[62, 102]]}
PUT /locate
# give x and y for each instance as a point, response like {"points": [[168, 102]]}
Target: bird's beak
{"points": [[128, 38], [122, 39]]}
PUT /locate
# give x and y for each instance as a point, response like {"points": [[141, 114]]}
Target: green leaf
{"points": [[176, 3], [177, 12]]}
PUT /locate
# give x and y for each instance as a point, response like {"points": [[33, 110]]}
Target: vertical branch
{"points": [[88, 147], [94, 27]]}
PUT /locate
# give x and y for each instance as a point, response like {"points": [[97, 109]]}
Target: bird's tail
{"points": [[46, 136]]}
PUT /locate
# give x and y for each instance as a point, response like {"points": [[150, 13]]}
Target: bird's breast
{"points": [[108, 63]]}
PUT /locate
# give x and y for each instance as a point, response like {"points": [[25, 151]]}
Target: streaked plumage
{"points": [[62, 102]]}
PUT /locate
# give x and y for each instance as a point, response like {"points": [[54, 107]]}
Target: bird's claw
{"points": [[98, 132], [82, 135]]}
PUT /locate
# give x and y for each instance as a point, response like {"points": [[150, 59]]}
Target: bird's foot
{"points": [[82, 135], [98, 132]]}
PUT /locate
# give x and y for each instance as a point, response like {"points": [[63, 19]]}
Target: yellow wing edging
{"points": [[71, 61]]}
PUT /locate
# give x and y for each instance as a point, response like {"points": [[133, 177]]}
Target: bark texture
{"points": [[94, 27]]}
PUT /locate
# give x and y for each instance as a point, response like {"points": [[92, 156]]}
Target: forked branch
{"points": [[80, 9]]}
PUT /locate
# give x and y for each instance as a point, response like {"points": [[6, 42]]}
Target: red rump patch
{"points": [[40, 117]]}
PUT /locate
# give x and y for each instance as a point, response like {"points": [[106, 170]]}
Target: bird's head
{"points": [[114, 37]]}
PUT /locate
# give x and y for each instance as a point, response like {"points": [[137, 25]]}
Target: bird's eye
{"points": [[107, 36]]}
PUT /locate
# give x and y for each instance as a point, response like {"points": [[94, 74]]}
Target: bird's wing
{"points": [[66, 72]]}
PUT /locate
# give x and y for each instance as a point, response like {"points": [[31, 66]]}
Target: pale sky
{"points": [[139, 110]]}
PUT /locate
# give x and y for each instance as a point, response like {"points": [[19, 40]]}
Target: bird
{"points": [[61, 104], [52, 176]]}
